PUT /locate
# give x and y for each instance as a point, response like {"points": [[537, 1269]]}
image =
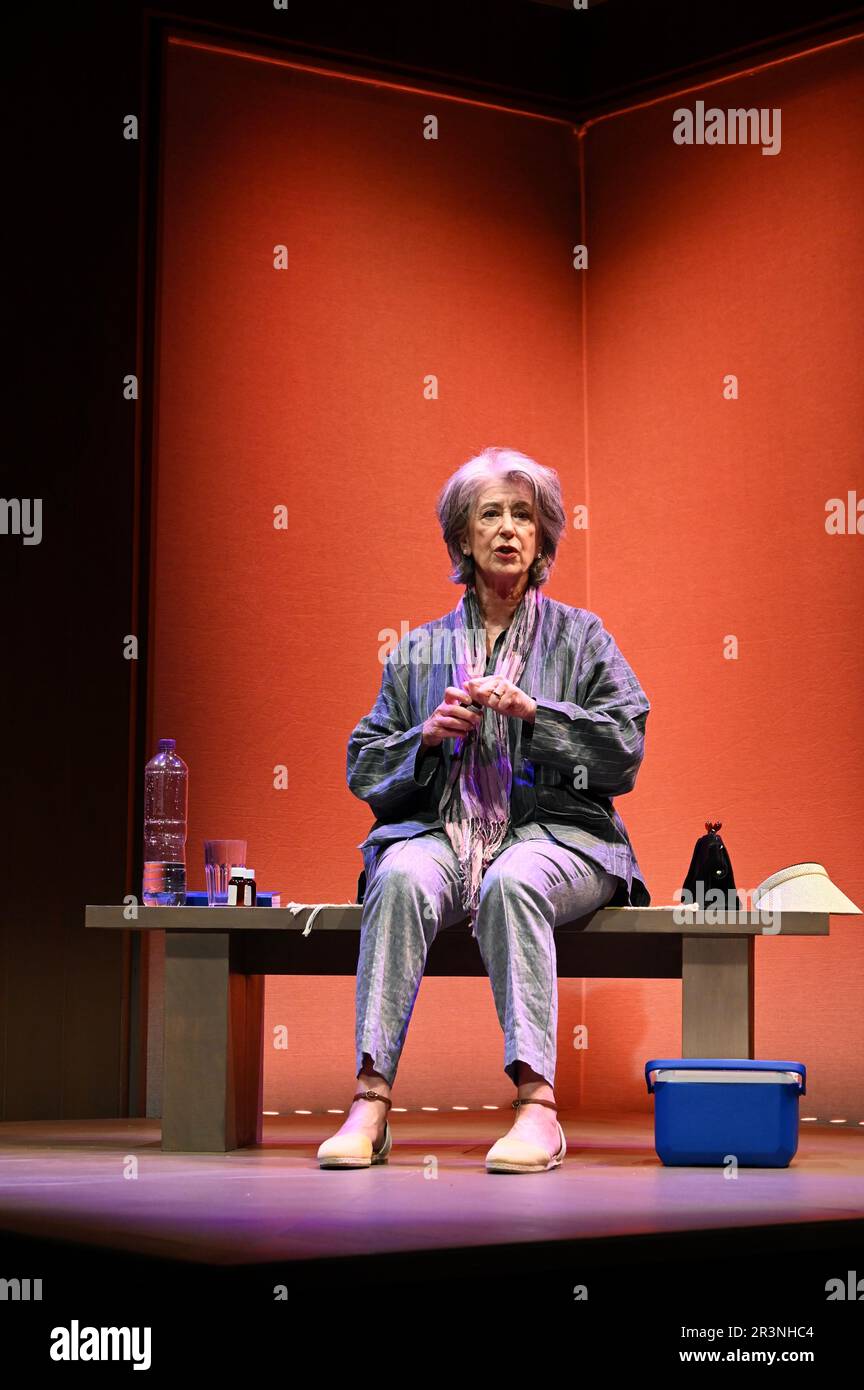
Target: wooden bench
{"points": [[216, 960]]}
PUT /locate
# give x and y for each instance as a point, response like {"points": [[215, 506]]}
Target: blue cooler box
{"points": [[706, 1108]]}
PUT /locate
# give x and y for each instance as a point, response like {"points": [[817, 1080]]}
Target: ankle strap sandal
{"points": [[553, 1105], [373, 1095]]}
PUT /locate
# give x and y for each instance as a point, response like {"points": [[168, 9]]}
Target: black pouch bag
{"points": [[710, 870]]}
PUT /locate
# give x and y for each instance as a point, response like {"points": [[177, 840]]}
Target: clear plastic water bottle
{"points": [[166, 801]]}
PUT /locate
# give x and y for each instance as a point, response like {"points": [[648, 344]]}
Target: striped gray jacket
{"points": [[584, 748]]}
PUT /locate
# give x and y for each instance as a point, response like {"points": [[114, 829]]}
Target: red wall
{"points": [[708, 521], [304, 388]]}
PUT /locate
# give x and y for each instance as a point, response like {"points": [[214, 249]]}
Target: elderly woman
{"points": [[499, 737]]}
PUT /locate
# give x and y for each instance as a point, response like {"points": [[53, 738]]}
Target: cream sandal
{"points": [[508, 1155], [355, 1150]]}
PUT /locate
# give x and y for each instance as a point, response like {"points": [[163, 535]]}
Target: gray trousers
{"points": [[531, 885]]}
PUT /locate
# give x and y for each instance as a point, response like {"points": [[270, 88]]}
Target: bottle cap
{"points": [[167, 745]]}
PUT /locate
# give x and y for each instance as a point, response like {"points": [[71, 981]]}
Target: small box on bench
{"points": [[708, 1109], [197, 898]]}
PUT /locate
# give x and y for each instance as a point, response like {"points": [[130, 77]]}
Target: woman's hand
{"points": [[451, 719], [502, 696]]}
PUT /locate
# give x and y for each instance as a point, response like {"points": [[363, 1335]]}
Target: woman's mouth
{"points": [[506, 551]]}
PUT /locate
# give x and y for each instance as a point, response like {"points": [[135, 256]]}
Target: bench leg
{"points": [[717, 996], [214, 1047]]}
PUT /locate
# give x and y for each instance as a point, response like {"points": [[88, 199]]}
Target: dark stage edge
{"points": [[642, 1292]]}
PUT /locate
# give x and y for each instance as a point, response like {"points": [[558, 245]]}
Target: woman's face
{"points": [[502, 531]]}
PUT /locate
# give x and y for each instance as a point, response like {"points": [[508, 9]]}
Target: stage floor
{"points": [[107, 1183]]}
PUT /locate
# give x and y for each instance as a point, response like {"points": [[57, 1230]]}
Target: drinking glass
{"points": [[220, 857]]}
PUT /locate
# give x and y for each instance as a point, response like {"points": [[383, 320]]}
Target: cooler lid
{"points": [[728, 1068]]}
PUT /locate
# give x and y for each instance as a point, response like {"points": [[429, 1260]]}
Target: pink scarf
{"points": [[475, 805]]}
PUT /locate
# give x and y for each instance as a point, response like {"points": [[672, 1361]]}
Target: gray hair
{"points": [[459, 496]]}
